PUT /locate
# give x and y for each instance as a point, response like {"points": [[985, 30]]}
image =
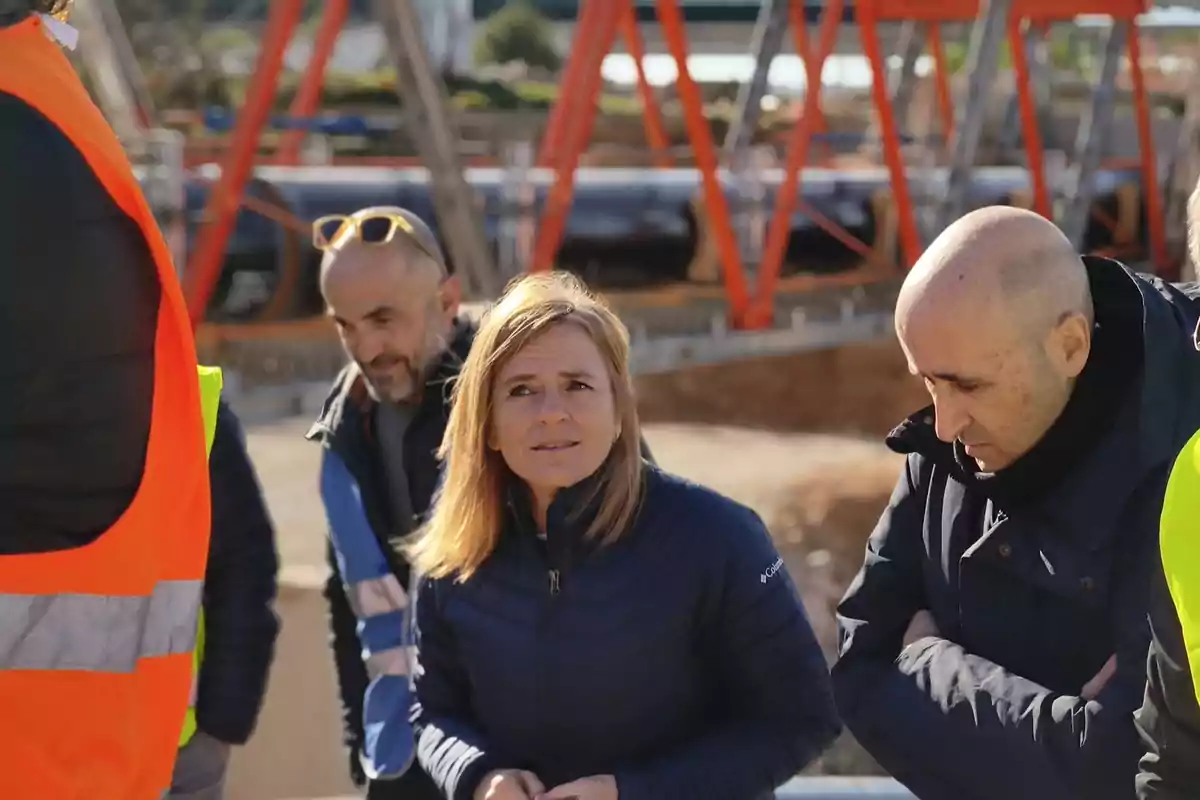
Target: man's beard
{"points": [[398, 388], [415, 372]]}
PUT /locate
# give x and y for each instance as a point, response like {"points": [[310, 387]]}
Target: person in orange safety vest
{"points": [[103, 473]]}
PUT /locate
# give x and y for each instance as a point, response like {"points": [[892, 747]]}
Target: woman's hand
{"points": [[509, 784], [597, 787]]}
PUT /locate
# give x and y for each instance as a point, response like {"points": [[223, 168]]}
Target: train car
{"points": [[627, 227]]}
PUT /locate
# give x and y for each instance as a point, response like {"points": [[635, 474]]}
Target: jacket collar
{"points": [[570, 514], [1170, 408]]}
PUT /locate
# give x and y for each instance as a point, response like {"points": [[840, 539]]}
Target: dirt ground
{"points": [[861, 390], [798, 439]]}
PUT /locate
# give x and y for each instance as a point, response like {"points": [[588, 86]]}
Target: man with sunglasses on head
{"points": [[388, 290]]}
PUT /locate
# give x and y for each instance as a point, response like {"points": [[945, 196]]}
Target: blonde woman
{"points": [[589, 626]]}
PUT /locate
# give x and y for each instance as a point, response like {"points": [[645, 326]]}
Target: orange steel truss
{"points": [[1035, 12], [601, 14], [760, 313], [225, 198], [571, 121]]}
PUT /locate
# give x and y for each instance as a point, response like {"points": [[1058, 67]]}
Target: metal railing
{"points": [[823, 788], [843, 788]]}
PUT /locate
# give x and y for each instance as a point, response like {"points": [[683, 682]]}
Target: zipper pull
{"points": [[555, 582]]}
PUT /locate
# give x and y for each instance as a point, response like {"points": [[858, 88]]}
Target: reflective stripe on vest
{"points": [[211, 383], [100, 716], [97, 633], [1180, 543], [100, 633]]}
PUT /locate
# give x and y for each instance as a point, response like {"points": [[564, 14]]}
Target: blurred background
{"points": [[248, 119]]}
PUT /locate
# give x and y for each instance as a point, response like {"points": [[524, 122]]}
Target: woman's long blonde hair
{"points": [[468, 511]]}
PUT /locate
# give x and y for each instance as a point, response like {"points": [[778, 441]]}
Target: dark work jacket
{"points": [[77, 318], [347, 427], [678, 659], [1030, 599], [240, 625]]}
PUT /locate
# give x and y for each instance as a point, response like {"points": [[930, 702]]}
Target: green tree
{"points": [[518, 32], [956, 57]]}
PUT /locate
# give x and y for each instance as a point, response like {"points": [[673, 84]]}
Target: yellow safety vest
{"points": [[211, 383], [1180, 545]]}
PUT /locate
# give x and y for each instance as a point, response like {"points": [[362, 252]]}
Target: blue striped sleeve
{"points": [[381, 607]]}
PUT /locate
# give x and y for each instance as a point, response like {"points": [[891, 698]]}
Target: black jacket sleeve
{"points": [[769, 673], [455, 754], [239, 592], [1169, 720], [347, 655], [950, 724], [77, 320]]}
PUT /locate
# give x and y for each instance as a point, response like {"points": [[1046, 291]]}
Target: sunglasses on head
{"points": [[381, 228]]}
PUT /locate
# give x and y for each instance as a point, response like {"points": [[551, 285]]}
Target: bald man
{"points": [[993, 645], [387, 289]]}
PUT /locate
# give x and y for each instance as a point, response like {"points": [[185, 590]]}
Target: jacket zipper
{"points": [[560, 560]]}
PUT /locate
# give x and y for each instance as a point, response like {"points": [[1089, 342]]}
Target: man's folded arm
{"points": [[872, 620], [940, 718]]}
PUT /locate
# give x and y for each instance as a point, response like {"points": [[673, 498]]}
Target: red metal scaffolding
{"points": [[749, 307], [571, 120], [580, 62], [225, 198], [870, 13]]}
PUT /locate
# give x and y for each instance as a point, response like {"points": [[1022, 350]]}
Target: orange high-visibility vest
{"points": [[96, 642]]}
